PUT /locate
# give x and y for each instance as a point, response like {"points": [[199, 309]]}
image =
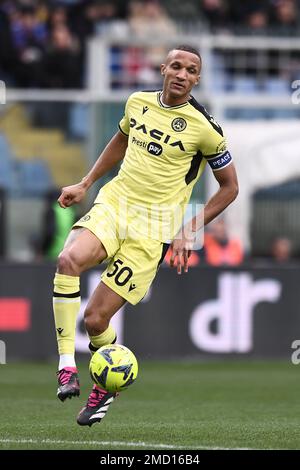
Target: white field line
{"points": [[116, 443]]}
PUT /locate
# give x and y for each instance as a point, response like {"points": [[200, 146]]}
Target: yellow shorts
{"points": [[132, 261]]}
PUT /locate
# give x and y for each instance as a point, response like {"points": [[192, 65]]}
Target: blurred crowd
{"points": [[273, 17], [44, 43], [222, 249]]}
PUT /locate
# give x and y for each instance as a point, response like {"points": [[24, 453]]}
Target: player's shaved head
{"points": [[184, 48]]}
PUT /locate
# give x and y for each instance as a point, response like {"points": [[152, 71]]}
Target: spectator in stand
{"points": [[62, 64], [56, 224], [257, 23], [219, 248], [281, 250], [240, 10], [97, 18], [286, 17], [146, 19], [107, 18], [84, 20], [149, 19], [7, 54], [215, 13], [58, 17], [29, 38]]}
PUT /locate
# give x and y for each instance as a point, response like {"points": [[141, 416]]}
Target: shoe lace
{"points": [[95, 397], [64, 376]]}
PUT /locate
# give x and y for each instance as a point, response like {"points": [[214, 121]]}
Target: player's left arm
{"points": [[226, 194]]}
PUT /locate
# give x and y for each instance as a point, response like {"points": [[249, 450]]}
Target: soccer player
{"points": [[165, 140]]}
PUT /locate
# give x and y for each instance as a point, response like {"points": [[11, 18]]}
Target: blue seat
{"points": [[277, 86], [34, 178], [5, 149], [245, 85], [220, 83], [6, 165], [246, 113], [284, 114], [6, 174], [79, 120]]}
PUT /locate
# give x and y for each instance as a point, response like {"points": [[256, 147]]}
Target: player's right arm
{"points": [[113, 153]]}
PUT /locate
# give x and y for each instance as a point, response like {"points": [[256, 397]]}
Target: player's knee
{"points": [[69, 263], [95, 321]]}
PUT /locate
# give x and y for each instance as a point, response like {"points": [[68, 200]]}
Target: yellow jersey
{"points": [[168, 148]]}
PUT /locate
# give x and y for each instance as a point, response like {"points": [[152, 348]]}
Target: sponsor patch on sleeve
{"points": [[219, 161]]}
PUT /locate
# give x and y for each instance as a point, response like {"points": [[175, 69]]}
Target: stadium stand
{"points": [[95, 53], [34, 178], [79, 121], [33, 159], [276, 213], [6, 165], [46, 42]]}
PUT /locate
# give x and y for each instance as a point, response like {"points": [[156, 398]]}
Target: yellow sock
{"points": [[66, 304], [107, 337]]}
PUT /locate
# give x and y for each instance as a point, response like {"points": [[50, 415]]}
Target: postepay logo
{"points": [[154, 149], [2, 92]]}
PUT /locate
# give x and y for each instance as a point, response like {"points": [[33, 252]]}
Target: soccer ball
{"points": [[113, 367]]}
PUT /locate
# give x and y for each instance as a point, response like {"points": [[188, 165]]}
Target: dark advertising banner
{"points": [[26, 319], [212, 311], [2, 222], [246, 312]]}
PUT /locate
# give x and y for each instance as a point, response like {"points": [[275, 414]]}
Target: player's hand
{"points": [[181, 248], [71, 195]]}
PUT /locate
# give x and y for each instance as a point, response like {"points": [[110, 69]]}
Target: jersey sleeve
{"points": [[124, 124], [215, 149]]}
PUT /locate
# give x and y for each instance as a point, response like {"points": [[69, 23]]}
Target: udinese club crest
{"points": [[179, 124]]}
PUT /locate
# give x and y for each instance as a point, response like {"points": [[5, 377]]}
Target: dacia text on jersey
{"points": [[156, 134]]}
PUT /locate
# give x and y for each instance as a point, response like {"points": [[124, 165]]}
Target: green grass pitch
{"points": [[172, 405]]}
